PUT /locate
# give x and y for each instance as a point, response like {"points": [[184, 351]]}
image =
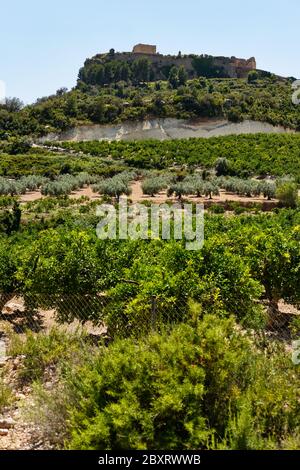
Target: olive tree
{"points": [[154, 185], [33, 182], [114, 187], [211, 190], [180, 189]]}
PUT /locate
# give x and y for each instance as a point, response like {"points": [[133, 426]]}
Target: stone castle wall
{"points": [[144, 49], [233, 67]]}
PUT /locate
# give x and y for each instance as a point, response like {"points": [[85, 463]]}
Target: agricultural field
{"points": [[111, 341], [149, 234]]}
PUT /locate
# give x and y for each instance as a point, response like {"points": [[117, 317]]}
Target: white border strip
{"points": [[2, 92]]}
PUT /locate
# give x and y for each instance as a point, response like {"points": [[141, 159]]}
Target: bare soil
{"points": [[15, 317], [138, 196], [31, 196]]}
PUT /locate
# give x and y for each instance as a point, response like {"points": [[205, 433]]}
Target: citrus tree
{"points": [[61, 270], [7, 273], [287, 193]]}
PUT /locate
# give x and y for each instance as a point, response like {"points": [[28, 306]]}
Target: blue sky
{"points": [[43, 44]]}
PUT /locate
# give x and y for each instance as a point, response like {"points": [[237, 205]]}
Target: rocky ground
{"points": [[16, 429], [16, 433], [163, 129]]}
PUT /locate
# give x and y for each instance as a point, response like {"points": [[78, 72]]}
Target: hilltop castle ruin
{"points": [[144, 49], [233, 67], [215, 67]]}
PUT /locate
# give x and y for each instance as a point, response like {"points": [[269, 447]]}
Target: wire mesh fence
{"points": [[93, 321], [38, 312], [95, 312], [101, 313]]}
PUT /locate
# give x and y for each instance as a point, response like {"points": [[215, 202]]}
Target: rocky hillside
{"points": [[104, 69], [259, 97]]}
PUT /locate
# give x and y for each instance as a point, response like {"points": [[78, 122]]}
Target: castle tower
{"points": [[144, 49]]}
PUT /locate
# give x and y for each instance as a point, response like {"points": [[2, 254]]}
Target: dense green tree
{"points": [[182, 76], [253, 76], [173, 77], [287, 193], [153, 186], [141, 70], [222, 167], [61, 91], [204, 67], [111, 54], [270, 102]]}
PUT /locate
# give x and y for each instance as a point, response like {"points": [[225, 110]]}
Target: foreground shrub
{"points": [[194, 388], [44, 350], [33, 182], [222, 167], [216, 209]]}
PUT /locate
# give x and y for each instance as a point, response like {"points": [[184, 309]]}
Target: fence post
{"points": [[153, 312]]}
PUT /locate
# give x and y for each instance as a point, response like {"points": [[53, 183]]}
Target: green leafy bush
{"points": [[287, 193], [44, 350], [196, 387], [217, 209]]}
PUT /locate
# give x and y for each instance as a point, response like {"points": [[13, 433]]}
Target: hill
{"points": [[110, 90], [145, 64]]}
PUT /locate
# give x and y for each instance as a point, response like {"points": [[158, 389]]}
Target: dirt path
{"points": [[31, 196], [87, 192]]}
